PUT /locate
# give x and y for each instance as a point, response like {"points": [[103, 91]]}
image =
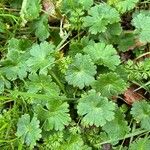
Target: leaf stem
{"points": [[58, 81], [15, 18], [7, 141], [125, 137], [42, 96]]}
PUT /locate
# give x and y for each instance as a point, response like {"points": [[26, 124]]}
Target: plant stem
{"points": [[58, 81], [125, 137], [42, 96], [11, 16]]}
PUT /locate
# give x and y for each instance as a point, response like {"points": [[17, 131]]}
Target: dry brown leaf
{"points": [[130, 95], [49, 7]]}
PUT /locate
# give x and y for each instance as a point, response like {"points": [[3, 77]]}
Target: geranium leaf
{"points": [[100, 16], [123, 5], [141, 112], [30, 10], [140, 144], [141, 22], [28, 130], [118, 127], [41, 28], [55, 115], [43, 84], [41, 57], [109, 84], [81, 71], [95, 109], [103, 54]]}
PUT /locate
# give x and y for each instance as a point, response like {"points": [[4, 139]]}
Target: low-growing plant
{"points": [[66, 72]]}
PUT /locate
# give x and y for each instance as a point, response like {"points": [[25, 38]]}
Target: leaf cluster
{"points": [[64, 69]]}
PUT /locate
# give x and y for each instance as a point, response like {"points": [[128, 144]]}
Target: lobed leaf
{"points": [[140, 144], [81, 71], [41, 57], [109, 84], [43, 84], [95, 109], [100, 16], [42, 28], [141, 113], [30, 10], [123, 5], [28, 130], [141, 22], [103, 54], [118, 127], [55, 115]]}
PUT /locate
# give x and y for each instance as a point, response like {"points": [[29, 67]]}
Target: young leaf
{"points": [[54, 140], [103, 54], [55, 115], [109, 84], [28, 130], [118, 127], [142, 23], [100, 16], [41, 57], [95, 109], [141, 113], [140, 144], [81, 71]]}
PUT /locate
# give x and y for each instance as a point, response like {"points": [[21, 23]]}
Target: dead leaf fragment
{"points": [[130, 95], [49, 7]]}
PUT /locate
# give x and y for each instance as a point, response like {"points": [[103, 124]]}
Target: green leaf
{"points": [[141, 22], [118, 127], [55, 115], [1, 86], [3, 26], [103, 54], [138, 71], [81, 71], [77, 46], [4, 84], [43, 84], [74, 142], [95, 109], [54, 140], [123, 5], [28, 130], [14, 65], [86, 4], [41, 28], [109, 84], [41, 57], [30, 10], [140, 144], [114, 29], [68, 6], [100, 16], [141, 113], [126, 41]]}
